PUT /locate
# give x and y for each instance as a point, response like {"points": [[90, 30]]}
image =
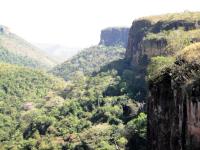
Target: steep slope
{"points": [[173, 108], [25, 84], [89, 61], [15, 50]]}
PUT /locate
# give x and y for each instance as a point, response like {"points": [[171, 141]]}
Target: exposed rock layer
{"points": [[174, 104], [174, 109], [114, 36], [138, 46]]}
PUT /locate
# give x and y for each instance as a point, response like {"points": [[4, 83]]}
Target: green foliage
{"points": [[22, 93], [158, 64], [190, 53], [8, 57], [138, 126], [136, 132], [15, 50], [104, 137], [25, 84], [7, 127], [176, 39], [39, 111], [89, 61]]}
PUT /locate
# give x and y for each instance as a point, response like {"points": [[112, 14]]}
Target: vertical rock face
{"points": [[173, 115], [136, 35], [174, 105], [114, 36]]}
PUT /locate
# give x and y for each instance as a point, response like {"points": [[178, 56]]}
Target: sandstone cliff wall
{"points": [[174, 104], [174, 109], [114, 36]]}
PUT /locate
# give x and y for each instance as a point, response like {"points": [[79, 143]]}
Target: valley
{"points": [[138, 89]]}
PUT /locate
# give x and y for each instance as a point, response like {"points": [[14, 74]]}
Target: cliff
{"points": [[173, 108], [174, 104], [114, 36], [162, 35], [155, 36]]}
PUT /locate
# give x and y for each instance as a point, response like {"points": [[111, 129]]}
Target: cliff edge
{"points": [[158, 50]]}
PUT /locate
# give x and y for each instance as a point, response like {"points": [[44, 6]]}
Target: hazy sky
{"points": [[77, 23]]}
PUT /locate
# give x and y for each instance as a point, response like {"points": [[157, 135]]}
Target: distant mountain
{"points": [[16, 50], [57, 52]]}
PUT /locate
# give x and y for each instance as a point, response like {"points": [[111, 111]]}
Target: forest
{"points": [[142, 96]]}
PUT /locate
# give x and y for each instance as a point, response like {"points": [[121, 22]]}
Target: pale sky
{"points": [[77, 23]]}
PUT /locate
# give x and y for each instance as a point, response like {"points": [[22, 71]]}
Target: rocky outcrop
{"points": [[156, 36], [138, 46], [4, 30], [114, 36], [174, 106]]}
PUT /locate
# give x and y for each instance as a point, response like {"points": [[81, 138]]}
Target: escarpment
{"points": [[157, 35], [114, 36], [174, 104], [173, 107]]}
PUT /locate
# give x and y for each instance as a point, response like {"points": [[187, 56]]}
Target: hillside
{"points": [[39, 111], [20, 84], [89, 60], [15, 50], [22, 93], [144, 97]]}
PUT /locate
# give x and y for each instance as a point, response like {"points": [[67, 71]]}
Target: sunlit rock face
{"points": [[138, 45], [114, 36]]}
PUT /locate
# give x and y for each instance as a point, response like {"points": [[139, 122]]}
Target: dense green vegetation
{"points": [[177, 66], [39, 111], [89, 61], [8, 57], [158, 64], [100, 105], [15, 50], [172, 37]]}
